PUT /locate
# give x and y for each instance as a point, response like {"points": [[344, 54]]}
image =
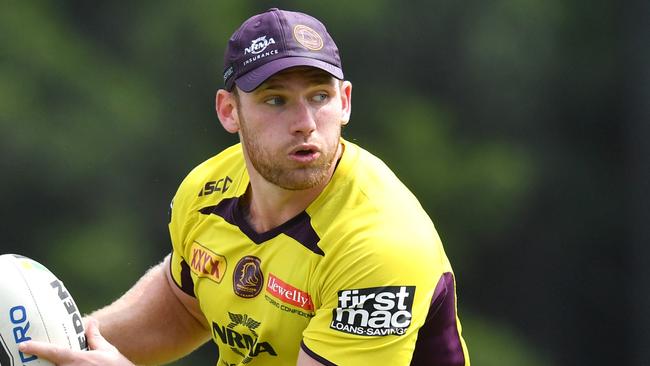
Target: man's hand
{"points": [[101, 352]]}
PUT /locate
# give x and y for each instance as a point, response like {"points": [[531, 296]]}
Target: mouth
{"points": [[305, 153]]}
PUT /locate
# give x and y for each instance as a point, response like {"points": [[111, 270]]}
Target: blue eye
{"points": [[274, 101], [320, 97]]}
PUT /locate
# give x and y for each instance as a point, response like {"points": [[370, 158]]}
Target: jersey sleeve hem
{"points": [[315, 355], [186, 285]]}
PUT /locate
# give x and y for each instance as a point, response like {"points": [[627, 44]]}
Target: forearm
{"points": [[149, 324]]}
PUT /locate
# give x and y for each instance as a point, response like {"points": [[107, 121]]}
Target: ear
{"points": [[226, 107], [346, 102]]}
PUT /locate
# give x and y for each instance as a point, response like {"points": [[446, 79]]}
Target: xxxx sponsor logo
{"points": [[206, 263]]}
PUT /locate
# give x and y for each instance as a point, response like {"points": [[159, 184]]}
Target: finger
{"points": [[95, 339], [86, 319], [49, 351]]}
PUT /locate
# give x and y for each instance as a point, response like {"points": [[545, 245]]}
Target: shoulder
{"points": [[365, 180], [222, 163], [211, 180], [366, 198], [369, 218]]}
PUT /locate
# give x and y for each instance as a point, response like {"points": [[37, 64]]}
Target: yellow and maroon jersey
{"points": [[358, 278]]}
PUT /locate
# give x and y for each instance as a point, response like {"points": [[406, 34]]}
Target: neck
{"points": [[267, 206]]}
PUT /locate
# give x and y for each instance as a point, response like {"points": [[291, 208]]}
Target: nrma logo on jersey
{"points": [[374, 311], [242, 338]]}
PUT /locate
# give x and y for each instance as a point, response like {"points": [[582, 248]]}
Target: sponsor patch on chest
{"points": [[374, 311], [206, 263], [288, 294]]}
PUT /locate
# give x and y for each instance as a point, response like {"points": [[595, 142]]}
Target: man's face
{"points": [[290, 127]]}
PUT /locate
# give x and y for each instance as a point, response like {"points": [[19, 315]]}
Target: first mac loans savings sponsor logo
{"points": [[374, 311], [257, 48]]}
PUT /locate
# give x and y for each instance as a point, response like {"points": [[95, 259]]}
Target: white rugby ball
{"points": [[34, 305]]}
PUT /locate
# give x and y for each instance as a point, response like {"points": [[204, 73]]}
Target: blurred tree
{"points": [[637, 175], [503, 118]]}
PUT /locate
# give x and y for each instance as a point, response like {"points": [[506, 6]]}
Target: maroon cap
{"points": [[273, 41]]}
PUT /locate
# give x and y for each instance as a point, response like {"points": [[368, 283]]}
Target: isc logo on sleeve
{"points": [[374, 311]]}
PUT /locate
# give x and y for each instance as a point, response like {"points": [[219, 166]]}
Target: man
{"points": [[294, 246]]}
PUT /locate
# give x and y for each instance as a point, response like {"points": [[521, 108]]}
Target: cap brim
{"points": [[251, 80]]}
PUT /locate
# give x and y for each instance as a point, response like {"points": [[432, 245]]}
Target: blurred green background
{"points": [[520, 125]]}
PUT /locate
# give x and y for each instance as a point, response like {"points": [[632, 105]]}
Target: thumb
{"points": [[95, 339]]}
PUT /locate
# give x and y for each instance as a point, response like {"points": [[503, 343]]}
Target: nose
{"points": [[304, 121]]}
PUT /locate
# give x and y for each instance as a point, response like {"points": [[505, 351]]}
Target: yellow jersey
{"points": [[358, 278]]}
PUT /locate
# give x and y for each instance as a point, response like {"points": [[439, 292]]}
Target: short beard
{"points": [[283, 176]]}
